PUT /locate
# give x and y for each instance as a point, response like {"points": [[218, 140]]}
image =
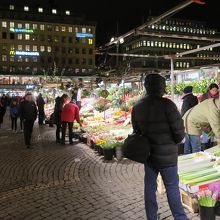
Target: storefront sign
{"points": [[24, 53], [21, 30], [83, 35]]}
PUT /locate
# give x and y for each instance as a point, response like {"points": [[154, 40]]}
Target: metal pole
{"points": [[172, 78], [117, 51]]}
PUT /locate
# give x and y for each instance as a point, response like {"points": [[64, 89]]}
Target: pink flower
{"points": [[208, 193], [215, 196]]}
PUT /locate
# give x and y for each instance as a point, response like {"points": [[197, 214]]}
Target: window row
{"points": [[209, 56], [181, 29], [182, 64], [48, 27]]}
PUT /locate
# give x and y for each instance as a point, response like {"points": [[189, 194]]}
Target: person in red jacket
{"points": [[69, 114]]}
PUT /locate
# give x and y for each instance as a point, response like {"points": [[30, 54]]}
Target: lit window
{"points": [[163, 44], [26, 8], [213, 32], [41, 10], [42, 48], [171, 45], [27, 26], [34, 48], [181, 46], [12, 24], [19, 47], [90, 30], [20, 59], [187, 65], [26, 59], [54, 11], [174, 45], [70, 29], [90, 41], [184, 46], [35, 59], [198, 46], [42, 27], [63, 29], [83, 30], [27, 47], [27, 36], [76, 29], [67, 12], [177, 46], [188, 47], [19, 25], [155, 43], [4, 58], [35, 26], [167, 45], [57, 28], [164, 27], [177, 64], [11, 7], [4, 24], [12, 59], [49, 49], [84, 41], [19, 36], [148, 43], [144, 43], [152, 43]]}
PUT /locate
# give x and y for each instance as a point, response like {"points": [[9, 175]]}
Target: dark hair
{"points": [[213, 85]]}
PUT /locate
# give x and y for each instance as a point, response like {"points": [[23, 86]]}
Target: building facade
{"points": [[38, 41], [169, 37]]}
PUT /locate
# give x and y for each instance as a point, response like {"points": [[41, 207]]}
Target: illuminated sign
{"points": [[83, 35], [23, 53], [21, 30]]}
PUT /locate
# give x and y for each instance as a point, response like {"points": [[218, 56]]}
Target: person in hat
{"points": [[189, 100], [159, 120], [212, 92], [69, 114], [28, 113]]}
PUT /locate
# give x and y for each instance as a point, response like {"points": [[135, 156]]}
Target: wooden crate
{"points": [[189, 202]]}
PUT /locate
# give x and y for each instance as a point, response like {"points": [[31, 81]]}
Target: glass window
{"points": [[42, 27], [67, 12], [57, 28], [84, 40], [152, 43], [49, 49], [26, 59], [4, 24], [77, 50], [35, 26], [54, 11], [76, 29], [20, 59], [70, 40], [56, 39], [49, 38], [70, 29], [42, 48], [40, 10], [27, 26], [83, 30], [20, 37], [70, 50], [26, 8], [163, 44], [19, 47], [63, 50], [12, 24], [19, 25], [27, 36], [159, 44], [12, 59], [34, 48], [4, 58], [63, 29], [35, 59], [90, 30], [144, 44], [12, 36], [90, 41], [83, 51], [27, 47], [63, 39], [42, 37], [11, 7]]}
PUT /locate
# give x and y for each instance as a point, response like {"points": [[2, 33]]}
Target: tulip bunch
{"points": [[208, 198]]}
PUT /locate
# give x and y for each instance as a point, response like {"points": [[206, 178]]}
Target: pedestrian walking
{"points": [[19, 113], [69, 114], [40, 105], [189, 100], [14, 115], [28, 111], [158, 119]]}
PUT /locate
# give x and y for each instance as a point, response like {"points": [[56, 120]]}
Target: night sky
{"points": [[128, 14]]}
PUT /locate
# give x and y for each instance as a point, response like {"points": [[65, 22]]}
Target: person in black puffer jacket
{"points": [[189, 100], [158, 119]]}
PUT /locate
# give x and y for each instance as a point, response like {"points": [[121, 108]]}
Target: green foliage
{"points": [[85, 93]]}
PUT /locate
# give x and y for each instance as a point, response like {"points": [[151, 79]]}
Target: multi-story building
{"points": [[169, 37], [39, 41]]}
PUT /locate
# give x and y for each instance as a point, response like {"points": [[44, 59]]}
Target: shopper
{"points": [[212, 92], [79, 97], [28, 112], [59, 102], [69, 114], [203, 117], [159, 120], [40, 105], [19, 113], [14, 115], [189, 100], [207, 141]]}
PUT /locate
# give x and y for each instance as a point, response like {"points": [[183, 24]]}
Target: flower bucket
{"points": [[119, 154], [207, 213], [108, 154]]}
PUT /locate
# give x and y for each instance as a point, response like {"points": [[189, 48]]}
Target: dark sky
{"points": [[129, 13]]}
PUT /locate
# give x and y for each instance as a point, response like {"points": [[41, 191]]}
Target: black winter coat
{"points": [[57, 112], [189, 101], [28, 111], [159, 120]]}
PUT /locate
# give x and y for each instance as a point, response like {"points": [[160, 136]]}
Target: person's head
{"points": [[28, 97], [65, 98], [155, 84], [213, 89], [188, 89]]}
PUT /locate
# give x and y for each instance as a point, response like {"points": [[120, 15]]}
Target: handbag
{"points": [[136, 147]]}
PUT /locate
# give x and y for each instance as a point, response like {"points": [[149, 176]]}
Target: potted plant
{"points": [[108, 150], [207, 200], [118, 147]]}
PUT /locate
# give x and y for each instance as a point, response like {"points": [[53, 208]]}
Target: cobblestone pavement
{"points": [[54, 182]]}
